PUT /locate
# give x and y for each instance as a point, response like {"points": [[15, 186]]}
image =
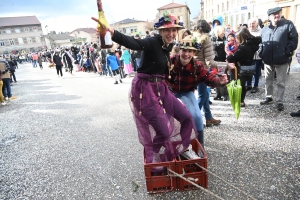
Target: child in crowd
{"points": [[86, 64], [113, 64], [231, 45]]}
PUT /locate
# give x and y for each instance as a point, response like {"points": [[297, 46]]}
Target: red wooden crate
{"points": [[159, 181], [189, 170]]}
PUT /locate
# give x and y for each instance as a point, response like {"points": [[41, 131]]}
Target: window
{"points": [[37, 39], [17, 30], [11, 42], [0, 32], [26, 29], [34, 29], [29, 40], [179, 9], [20, 40], [2, 43], [8, 31], [172, 10]]}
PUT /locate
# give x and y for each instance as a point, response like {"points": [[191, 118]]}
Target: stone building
{"points": [[179, 10], [235, 12], [131, 27], [20, 33], [82, 35]]}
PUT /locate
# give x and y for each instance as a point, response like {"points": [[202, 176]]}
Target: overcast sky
{"points": [[67, 15]]}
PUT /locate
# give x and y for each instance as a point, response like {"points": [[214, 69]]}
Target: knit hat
{"points": [[168, 21]]}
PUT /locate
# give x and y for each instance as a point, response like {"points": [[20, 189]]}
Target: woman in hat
{"points": [[184, 77], [155, 109], [247, 46]]}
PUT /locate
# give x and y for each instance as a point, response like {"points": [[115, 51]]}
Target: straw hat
{"points": [[190, 43], [168, 21]]}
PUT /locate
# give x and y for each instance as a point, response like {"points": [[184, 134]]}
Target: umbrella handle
{"points": [[235, 73]]}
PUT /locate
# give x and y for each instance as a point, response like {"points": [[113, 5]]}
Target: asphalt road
{"points": [[75, 138]]}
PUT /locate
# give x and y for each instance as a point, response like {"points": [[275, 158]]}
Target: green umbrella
{"points": [[235, 92]]}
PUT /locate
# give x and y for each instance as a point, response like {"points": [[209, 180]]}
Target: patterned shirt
{"points": [[186, 78]]}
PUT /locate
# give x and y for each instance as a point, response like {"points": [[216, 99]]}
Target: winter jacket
{"points": [[256, 32], [219, 48], [278, 43], [154, 58], [206, 55], [245, 52], [57, 60], [4, 69], [112, 61], [126, 57]]}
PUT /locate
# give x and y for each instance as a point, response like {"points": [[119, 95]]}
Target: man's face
{"points": [[186, 56], [275, 17], [253, 25], [168, 35]]}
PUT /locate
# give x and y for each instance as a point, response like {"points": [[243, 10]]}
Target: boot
{"points": [[119, 77], [201, 141], [116, 78], [212, 121], [201, 138]]}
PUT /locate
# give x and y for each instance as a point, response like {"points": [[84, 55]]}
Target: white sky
{"points": [[67, 15]]}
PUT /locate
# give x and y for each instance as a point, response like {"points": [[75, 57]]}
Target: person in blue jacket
{"points": [[112, 62]]}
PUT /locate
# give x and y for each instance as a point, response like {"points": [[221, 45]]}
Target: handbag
{"points": [[247, 70]]}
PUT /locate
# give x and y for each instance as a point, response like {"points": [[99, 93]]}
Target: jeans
{"points": [[257, 73], [6, 89], [191, 104], [203, 100], [34, 63]]}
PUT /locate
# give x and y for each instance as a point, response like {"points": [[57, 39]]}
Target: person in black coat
{"points": [[218, 41], [248, 45], [58, 63]]}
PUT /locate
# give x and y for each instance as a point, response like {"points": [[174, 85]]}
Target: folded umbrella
{"points": [[235, 93]]}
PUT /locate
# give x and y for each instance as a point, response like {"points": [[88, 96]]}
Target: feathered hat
{"points": [[168, 21]]}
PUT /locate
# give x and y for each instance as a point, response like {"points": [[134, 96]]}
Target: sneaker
{"points": [[212, 121], [226, 98], [12, 97], [121, 81], [267, 100], [3, 103], [218, 98], [254, 90], [189, 153], [295, 114], [116, 82], [6, 98], [280, 107], [248, 88]]}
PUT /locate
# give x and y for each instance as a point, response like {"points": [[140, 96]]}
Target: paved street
{"points": [[75, 138]]}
